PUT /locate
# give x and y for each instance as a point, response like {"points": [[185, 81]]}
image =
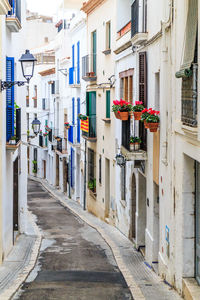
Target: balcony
{"points": [[135, 155], [14, 140], [46, 58], [4, 7], [139, 33], [89, 68], [189, 100], [91, 135], [74, 77], [73, 137], [61, 147], [13, 18]]}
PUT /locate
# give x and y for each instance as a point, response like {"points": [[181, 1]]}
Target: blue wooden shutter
{"points": [[78, 121], [73, 56], [10, 98], [73, 111], [78, 62], [72, 167]]}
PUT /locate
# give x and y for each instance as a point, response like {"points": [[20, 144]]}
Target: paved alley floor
{"points": [[74, 261]]}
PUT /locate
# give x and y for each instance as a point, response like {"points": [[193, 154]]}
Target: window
{"points": [[35, 96], [27, 96], [53, 88], [78, 121], [91, 170], [123, 182], [108, 35], [43, 103], [189, 68], [100, 163], [94, 51], [108, 104], [143, 95], [72, 167], [157, 91], [126, 85], [27, 118], [10, 96]]}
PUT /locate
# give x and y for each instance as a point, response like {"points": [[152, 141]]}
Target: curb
{"points": [[24, 273], [134, 288]]}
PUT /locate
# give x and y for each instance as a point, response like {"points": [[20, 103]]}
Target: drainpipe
{"points": [[85, 167]]}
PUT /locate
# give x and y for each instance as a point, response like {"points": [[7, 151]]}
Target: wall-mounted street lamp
{"points": [[27, 60], [120, 159], [36, 126]]}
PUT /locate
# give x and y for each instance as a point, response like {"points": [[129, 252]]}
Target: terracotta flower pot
{"points": [[153, 127], [124, 115], [146, 125], [117, 115], [137, 115]]}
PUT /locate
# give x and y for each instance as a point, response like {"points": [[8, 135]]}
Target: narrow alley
{"points": [[74, 261]]}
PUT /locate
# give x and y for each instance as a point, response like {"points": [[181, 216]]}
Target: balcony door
{"points": [[197, 214], [91, 113], [94, 50]]}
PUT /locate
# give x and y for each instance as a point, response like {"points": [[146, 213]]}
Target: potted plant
{"points": [[12, 140], [47, 128], [82, 117], [137, 110], [28, 132], [135, 143], [121, 109], [153, 120], [45, 134], [92, 185], [67, 125], [145, 115], [34, 166]]}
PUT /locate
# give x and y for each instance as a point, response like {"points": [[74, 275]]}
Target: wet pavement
{"points": [[74, 261]]}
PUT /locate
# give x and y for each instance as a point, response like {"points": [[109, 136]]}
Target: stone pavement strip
{"points": [[141, 280], [21, 260]]}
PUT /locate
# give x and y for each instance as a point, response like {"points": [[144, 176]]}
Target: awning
{"points": [[190, 40]]}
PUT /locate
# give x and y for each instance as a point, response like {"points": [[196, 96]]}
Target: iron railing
{"points": [[16, 9], [189, 99], [89, 65], [59, 145], [92, 128]]}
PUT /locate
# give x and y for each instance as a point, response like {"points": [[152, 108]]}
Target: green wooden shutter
{"points": [[108, 104]]}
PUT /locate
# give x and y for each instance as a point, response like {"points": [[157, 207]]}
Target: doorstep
{"points": [[191, 289]]}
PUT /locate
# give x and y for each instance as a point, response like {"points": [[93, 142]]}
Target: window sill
{"points": [[11, 147], [107, 51], [190, 130], [93, 195], [106, 120]]}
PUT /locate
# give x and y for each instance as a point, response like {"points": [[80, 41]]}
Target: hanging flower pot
{"points": [[153, 127], [137, 110], [137, 115], [153, 120], [67, 125], [124, 115], [117, 115], [121, 109]]}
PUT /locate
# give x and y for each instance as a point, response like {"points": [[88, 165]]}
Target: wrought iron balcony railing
{"points": [[89, 67], [91, 134]]}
